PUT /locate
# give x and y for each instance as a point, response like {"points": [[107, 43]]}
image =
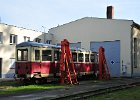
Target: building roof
{"points": [[91, 18], [19, 27]]}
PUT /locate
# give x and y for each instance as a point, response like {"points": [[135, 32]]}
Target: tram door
{"points": [[37, 64], [0, 67]]}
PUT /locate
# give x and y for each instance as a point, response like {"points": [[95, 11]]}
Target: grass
{"points": [[16, 87], [129, 94]]}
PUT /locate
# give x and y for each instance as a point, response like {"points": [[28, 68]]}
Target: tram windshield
{"points": [[22, 54]]}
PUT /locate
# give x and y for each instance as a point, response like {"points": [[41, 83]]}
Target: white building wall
{"points": [[90, 29], [7, 51]]}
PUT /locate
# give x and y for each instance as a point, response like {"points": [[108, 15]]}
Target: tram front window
{"points": [[22, 54]]}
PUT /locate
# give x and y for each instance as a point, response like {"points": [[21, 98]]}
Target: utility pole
{"points": [[44, 33]]}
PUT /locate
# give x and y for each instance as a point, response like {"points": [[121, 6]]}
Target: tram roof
{"points": [[36, 44]]}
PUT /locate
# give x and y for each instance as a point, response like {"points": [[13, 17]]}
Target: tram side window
{"points": [[56, 55], [80, 57], [92, 58], [22, 54], [86, 57], [96, 58], [74, 56], [37, 54], [46, 55]]}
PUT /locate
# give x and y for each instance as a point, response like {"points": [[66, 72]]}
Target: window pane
{"points": [[46, 55], [22, 55], [86, 57], [37, 55], [135, 52], [56, 55], [1, 37], [80, 57], [25, 55], [38, 40], [13, 38], [19, 55], [10, 38], [92, 58], [74, 57]]}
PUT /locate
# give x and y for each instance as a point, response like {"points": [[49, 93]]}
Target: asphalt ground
{"points": [[82, 87]]}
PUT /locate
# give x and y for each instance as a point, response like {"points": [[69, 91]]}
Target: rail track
{"points": [[103, 90]]}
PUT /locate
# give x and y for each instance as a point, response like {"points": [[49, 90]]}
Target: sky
{"points": [[41, 15]]}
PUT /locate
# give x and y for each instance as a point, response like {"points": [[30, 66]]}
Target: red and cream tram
{"points": [[38, 60]]}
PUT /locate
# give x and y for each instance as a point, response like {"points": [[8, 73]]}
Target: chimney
{"points": [[110, 12]]}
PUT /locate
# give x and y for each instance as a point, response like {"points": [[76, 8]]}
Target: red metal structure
{"points": [[67, 69], [104, 72]]}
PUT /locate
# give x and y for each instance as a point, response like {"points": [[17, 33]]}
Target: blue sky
{"points": [[33, 14]]}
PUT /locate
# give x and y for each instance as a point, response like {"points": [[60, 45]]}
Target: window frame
{"points": [[23, 56], [1, 37], [135, 52], [39, 58], [87, 57], [42, 55], [13, 39], [74, 60], [92, 60], [26, 38], [38, 40], [81, 60], [57, 55]]}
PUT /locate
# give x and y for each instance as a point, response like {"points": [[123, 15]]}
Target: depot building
{"points": [[119, 37]]}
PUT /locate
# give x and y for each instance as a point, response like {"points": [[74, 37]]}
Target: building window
{"points": [[26, 38], [38, 40], [1, 37], [48, 41], [135, 53], [12, 63], [13, 39]]}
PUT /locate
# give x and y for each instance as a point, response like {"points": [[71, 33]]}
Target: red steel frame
{"points": [[67, 68], [104, 72]]}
